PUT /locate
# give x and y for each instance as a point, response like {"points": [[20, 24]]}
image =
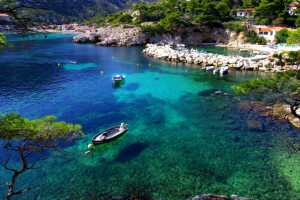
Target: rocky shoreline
{"points": [[118, 36], [203, 59], [258, 108], [128, 35]]}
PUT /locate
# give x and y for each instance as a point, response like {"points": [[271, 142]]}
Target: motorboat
{"points": [[118, 78], [223, 70], [110, 134], [217, 70], [180, 45], [210, 68], [243, 50], [258, 57]]}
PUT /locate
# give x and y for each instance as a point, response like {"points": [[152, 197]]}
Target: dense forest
{"points": [[175, 14]]}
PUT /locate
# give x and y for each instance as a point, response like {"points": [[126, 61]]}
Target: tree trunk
{"points": [[11, 185], [14, 177]]}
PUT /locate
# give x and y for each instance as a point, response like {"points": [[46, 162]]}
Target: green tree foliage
{"points": [[283, 87], [252, 38], [293, 58], [283, 34], [278, 21], [28, 139], [264, 21], [280, 57], [223, 9], [22, 13], [294, 37], [97, 20], [124, 19], [297, 23], [250, 3], [266, 9], [273, 9], [2, 41], [235, 26], [171, 22]]}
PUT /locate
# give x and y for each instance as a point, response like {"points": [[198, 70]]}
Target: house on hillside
{"points": [[129, 12], [136, 15], [246, 12], [248, 23], [269, 33], [292, 7]]}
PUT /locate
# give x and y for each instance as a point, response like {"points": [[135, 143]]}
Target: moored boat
{"points": [[258, 57], [109, 134], [118, 78], [224, 70], [210, 68], [217, 70]]}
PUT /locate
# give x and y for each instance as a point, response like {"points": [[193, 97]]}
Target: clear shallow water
{"points": [[222, 51], [183, 139]]}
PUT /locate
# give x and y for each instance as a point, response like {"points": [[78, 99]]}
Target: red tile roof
{"points": [[246, 9], [295, 4], [265, 30]]}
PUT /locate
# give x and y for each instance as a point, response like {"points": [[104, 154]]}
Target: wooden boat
{"points": [[109, 134], [118, 78]]}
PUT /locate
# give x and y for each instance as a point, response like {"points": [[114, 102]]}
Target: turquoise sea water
{"points": [[183, 139]]}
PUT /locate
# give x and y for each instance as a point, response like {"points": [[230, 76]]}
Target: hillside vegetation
{"points": [[175, 15]]}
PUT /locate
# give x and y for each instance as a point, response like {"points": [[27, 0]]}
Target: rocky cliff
{"points": [[120, 36], [129, 36]]}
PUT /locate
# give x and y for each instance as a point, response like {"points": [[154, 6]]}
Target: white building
{"points": [[136, 15], [247, 12], [269, 33], [291, 7]]}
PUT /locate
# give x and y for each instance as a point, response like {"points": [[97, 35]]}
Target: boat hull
{"points": [[118, 81], [96, 141]]}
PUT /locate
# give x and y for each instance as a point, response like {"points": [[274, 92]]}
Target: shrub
{"points": [[137, 22], [153, 29], [235, 26], [252, 38], [264, 21]]}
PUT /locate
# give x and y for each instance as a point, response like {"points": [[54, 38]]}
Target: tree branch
{"points": [[21, 191], [5, 164]]}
